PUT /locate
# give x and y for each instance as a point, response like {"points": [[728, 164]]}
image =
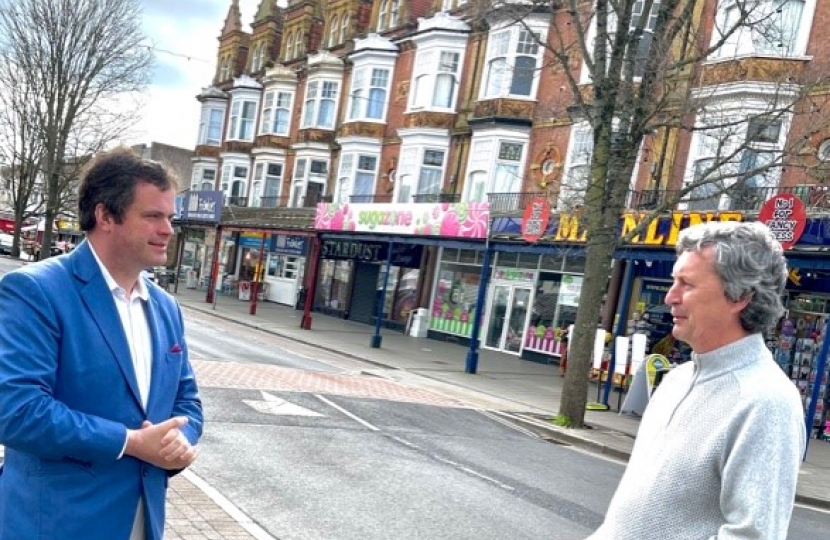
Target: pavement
{"points": [[525, 393]]}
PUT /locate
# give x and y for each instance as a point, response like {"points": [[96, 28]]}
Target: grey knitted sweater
{"points": [[717, 453]]}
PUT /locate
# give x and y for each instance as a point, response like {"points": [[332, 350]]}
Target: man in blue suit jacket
{"points": [[98, 400]]}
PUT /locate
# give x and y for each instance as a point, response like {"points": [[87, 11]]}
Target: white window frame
{"points": [[199, 180], [269, 174], [723, 144], [367, 91], [577, 171], [210, 126], [354, 164], [241, 126], [445, 50], [506, 44], [427, 92], [276, 101], [318, 91], [307, 171], [765, 17], [487, 158]]}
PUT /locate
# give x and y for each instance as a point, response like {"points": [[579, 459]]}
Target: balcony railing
{"points": [[737, 198], [273, 202], [236, 201], [436, 198], [369, 199], [510, 202]]}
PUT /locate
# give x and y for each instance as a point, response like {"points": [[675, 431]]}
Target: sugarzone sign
{"points": [[454, 220]]}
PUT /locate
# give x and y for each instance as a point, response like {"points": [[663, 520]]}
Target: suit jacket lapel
{"points": [[98, 299]]}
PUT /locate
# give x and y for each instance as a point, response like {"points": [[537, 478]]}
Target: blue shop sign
{"points": [[288, 244], [251, 240], [202, 206]]}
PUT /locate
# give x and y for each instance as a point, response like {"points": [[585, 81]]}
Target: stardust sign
{"points": [[786, 217], [535, 219]]}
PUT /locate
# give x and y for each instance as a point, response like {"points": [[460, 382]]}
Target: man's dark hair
{"points": [[111, 178]]}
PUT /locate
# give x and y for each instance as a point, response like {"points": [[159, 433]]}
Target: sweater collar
{"points": [[731, 357]]}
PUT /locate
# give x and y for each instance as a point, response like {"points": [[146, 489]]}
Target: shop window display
{"points": [[454, 302], [554, 310], [333, 285], [796, 346]]}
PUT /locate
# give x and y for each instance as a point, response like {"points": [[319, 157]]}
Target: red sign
{"points": [[535, 219], [786, 217]]}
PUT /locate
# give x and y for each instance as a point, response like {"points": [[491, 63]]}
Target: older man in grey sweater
{"points": [[720, 444]]}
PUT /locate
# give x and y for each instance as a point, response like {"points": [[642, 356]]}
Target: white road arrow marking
{"points": [[271, 404]]}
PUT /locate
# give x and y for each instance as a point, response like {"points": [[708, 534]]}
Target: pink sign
{"points": [[452, 220]]}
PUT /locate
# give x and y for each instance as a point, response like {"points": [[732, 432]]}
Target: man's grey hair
{"points": [[750, 263]]}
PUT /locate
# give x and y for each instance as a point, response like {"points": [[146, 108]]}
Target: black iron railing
{"points": [[358, 199], [236, 201], [436, 198], [273, 202], [704, 198], [509, 202]]}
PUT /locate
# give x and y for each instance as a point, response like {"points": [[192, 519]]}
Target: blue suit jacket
{"points": [[68, 393]]}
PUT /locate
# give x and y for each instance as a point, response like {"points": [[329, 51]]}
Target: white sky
{"points": [[188, 29]]}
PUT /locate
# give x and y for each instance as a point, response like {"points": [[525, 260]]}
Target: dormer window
{"points": [[224, 69], [258, 59], [299, 49], [344, 28], [388, 15], [334, 29], [289, 44]]}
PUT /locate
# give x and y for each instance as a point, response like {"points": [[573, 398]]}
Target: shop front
{"points": [[352, 280], [285, 268]]}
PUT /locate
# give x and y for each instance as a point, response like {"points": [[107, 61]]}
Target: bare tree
{"points": [[80, 59], [21, 147], [636, 75]]}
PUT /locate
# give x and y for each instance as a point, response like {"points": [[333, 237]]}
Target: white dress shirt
{"points": [[137, 331]]}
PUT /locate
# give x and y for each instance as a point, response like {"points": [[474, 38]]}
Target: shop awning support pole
{"points": [[621, 324], [214, 268], [311, 284], [472, 354], [181, 237], [817, 383], [376, 337]]}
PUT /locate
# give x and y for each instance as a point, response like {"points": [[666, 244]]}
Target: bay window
{"points": [[320, 104], [276, 113], [513, 59], [762, 27], [370, 86], [210, 127], [308, 184], [241, 126]]}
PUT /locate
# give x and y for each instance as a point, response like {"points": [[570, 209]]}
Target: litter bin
{"points": [[420, 323], [192, 280], [244, 290]]}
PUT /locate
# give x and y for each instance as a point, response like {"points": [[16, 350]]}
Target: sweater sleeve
{"points": [[759, 468]]}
